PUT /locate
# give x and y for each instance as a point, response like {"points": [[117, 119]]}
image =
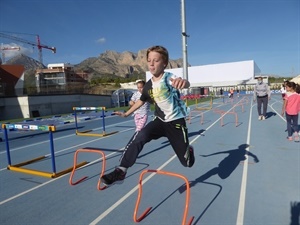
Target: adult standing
{"points": [[262, 94]]}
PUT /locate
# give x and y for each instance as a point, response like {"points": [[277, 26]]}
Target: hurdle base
{"points": [[29, 161], [42, 173], [94, 134], [85, 131], [202, 109]]}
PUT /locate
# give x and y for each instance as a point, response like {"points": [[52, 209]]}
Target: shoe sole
{"points": [[107, 185]]}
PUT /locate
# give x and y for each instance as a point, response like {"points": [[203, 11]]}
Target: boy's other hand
{"points": [[178, 83]]}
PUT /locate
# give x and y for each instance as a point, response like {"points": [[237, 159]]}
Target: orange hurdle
{"points": [[147, 210], [201, 117], [223, 113], [83, 178], [240, 104]]}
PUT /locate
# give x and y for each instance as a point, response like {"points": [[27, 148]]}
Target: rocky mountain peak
{"points": [[109, 62], [26, 61]]}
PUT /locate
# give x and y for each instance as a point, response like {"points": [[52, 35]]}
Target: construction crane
{"points": [[7, 48], [37, 44]]}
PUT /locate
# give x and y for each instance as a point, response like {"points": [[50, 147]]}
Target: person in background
{"points": [[231, 92], [221, 92], [141, 114], [291, 108], [170, 112], [262, 95], [283, 90]]}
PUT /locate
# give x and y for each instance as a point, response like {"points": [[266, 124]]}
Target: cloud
{"points": [[101, 40]]}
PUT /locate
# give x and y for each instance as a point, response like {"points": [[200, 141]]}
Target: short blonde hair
{"points": [[161, 50]]}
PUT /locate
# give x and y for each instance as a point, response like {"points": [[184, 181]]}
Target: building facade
{"points": [[59, 77]]}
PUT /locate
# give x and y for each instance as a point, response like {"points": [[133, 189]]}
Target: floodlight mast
{"points": [[184, 41]]}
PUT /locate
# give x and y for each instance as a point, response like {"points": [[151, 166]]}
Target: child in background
{"points": [[141, 114], [170, 112], [291, 108]]}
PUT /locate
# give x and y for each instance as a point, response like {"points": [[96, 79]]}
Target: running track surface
{"points": [[246, 173]]}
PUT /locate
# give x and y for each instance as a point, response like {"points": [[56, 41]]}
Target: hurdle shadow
{"points": [[295, 213], [239, 124], [200, 132], [125, 126], [154, 150], [162, 201], [183, 188]]}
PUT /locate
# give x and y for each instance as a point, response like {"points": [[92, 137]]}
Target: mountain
{"points": [[120, 64], [107, 63], [28, 62]]}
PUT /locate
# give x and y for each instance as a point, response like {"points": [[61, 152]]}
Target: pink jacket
{"points": [[293, 103]]}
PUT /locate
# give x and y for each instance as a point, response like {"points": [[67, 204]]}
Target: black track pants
{"points": [[175, 131]]}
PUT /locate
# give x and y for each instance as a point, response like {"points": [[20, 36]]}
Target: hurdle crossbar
{"points": [[205, 108], [18, 167], [87, 132], [87, 150]]}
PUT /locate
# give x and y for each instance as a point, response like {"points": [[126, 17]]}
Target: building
{"points": [[11, 80], [238, 75], [59, 77]]}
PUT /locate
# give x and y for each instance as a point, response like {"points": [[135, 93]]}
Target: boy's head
{"points": [[161, 50]]}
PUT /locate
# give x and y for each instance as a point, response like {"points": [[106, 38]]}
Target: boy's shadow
{"points": [[229, 163], [295, 213], [226, 166]]}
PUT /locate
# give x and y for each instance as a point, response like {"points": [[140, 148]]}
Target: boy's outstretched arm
{"points": [[134, 107]]}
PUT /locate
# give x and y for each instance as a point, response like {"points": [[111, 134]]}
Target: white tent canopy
{"points": [[296, 79]]}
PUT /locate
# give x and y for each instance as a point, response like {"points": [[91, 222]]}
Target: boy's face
{"points": [[156, 64]]}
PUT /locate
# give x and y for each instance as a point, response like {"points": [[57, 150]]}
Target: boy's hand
{"points": [[179, 83]]}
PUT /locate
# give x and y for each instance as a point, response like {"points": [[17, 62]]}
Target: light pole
{"points": [[184, 41]]}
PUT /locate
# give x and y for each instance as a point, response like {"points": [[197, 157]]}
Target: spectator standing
{"points": [[262, 95]]}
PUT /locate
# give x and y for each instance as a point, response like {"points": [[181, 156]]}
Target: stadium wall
{"points": [[33, 106]]}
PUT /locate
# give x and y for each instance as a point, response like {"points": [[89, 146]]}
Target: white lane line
{"points": [[241, 208]]}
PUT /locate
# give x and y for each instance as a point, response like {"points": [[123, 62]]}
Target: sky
{"points": [[220, 31]]}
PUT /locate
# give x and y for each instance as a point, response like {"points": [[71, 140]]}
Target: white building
{"points": [[233, 74]]}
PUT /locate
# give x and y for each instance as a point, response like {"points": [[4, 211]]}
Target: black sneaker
{"points": [[114, 176], [189, 156]]}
